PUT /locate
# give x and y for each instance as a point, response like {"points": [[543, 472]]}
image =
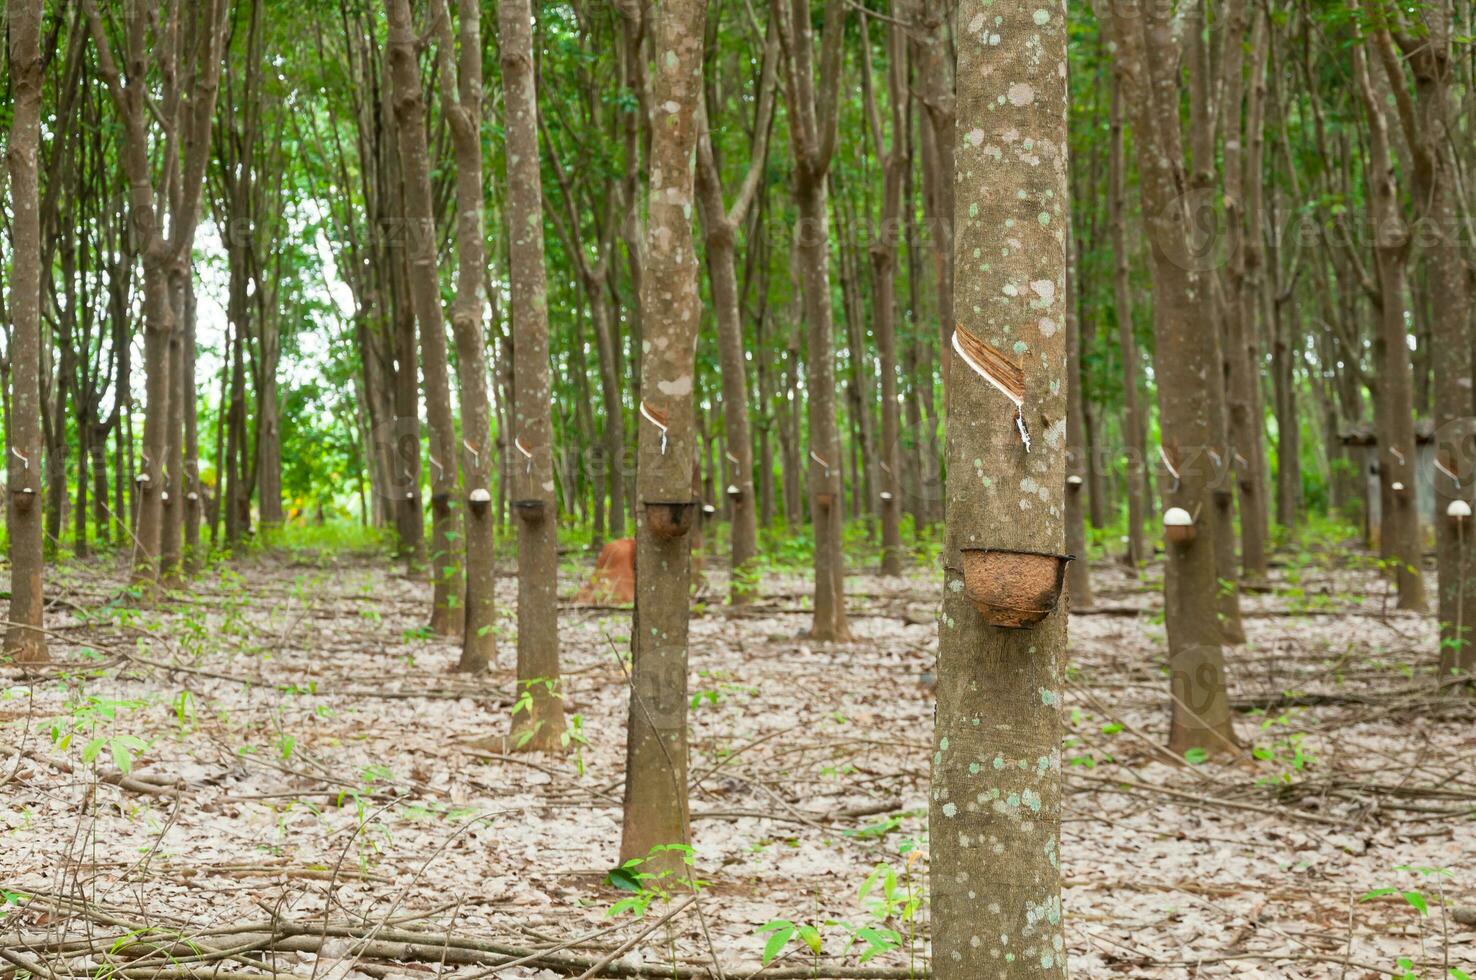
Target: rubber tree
{"points": [[895, 163], [447, 612], [720, 226], [1426, 49], [460, 75], [165, 251], [1134, 424], [531, 467], [655, 811], [995, 808], [1078, 452], [1199, 703], [1394, 404], [812, 100], [24, 640]]}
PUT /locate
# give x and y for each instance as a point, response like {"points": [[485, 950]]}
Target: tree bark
{"points": [[1436, 192], [535, 504], [1079, 454], [447, 611], [895, 163], [1200, 713], [1134, 426], [461, 102], [812, 130], [720, 229], [1394, 404], [187, 122], [656, 823], [995, 810], [25, 641], [194, 556]]}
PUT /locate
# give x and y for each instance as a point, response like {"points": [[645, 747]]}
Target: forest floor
{"points": [[299, 779]]}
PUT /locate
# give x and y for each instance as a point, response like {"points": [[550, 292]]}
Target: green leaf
{"points": [[1195, 756], [811, 937], [782, 931], [92, 749], [122, 757], [625, 877], [1417, 901]]}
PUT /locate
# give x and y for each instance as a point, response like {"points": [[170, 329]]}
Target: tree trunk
{"points": [[171, 538], [1436, 194], [812, 135], [995, 811], [1200, 714], [447, 612], [194, 556], [165, 259], [1133, 424], [826, 491], [1287, 339], [885, 300], [461, 102], [269, 428], [1394, 404], [720, 228], [1079, 455], [655, 806], [936, 83], [535, 504], [25, 641]]}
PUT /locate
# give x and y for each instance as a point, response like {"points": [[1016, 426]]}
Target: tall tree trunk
{"points": [[995, 811], [1079, 455], [1134, 427], [25, 641], [447, 612], [885, 301], [1200, 713], [1437, 189], [405, 441], [171, 538], [655, 806], [194, 557], [1243, 285], [1285, 329], [1394, 404], [936, 83], [720, 228], [461, 102], [269, 428], [165, 259], [535, 504], [812, 131]]}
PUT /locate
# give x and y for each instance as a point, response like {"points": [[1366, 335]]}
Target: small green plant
{"points": [[652, 886], [524, 705], [893, 901], [1283, 746], [573, 737], [184, 712], [93, 717], [1416, 899]]}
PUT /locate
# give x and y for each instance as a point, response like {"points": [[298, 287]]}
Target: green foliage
{"points": [[93, 718], [892, 899], [646, 887]]}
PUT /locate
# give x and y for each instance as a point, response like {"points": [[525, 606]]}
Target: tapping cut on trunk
{"points": [[658, 418], [1004, 374], [992, 365]]}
